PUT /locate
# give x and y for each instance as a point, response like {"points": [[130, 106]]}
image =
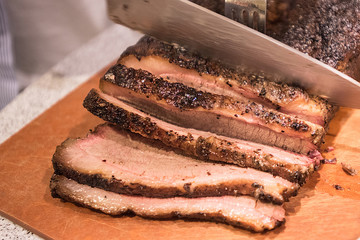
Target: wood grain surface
{"points": [[318, 212]]}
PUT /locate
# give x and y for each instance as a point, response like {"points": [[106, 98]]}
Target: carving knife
{"points": [[216, 36]]}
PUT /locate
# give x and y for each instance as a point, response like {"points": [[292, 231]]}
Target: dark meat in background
{"points": [[327, 30], [277, 11]]}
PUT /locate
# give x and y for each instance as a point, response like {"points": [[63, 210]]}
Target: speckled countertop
{"points": [[68, 74]]}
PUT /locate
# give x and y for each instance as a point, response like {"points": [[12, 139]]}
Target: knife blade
{"points": [[216, 36]]}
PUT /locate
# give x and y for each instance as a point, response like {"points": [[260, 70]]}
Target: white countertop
{"points": [[67, 75]]}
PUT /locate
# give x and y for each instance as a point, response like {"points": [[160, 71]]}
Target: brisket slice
{"points": [[223, 115], [179, 65], [203, 145], [119, 161], [245, 212]]}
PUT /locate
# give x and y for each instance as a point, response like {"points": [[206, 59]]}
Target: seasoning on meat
{"points": [[138, 166], [243, 211], [158, 169], [187, 107], [176, 64], [204, 145]]}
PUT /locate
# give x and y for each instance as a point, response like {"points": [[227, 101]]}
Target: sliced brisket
{"points": [[179, 65], [204, 145], [122, 162], [245, 212], [190, 108]]}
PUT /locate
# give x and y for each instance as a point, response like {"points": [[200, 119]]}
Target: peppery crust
{"points": [[148, 46], [183, 97], [58, 191], [263, 86], [326, 30], [112, 184], [136, 189], [211, 148]]}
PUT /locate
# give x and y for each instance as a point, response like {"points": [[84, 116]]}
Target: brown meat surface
{"points": [[176, 64], [122, 162], [203, 145], [245, 212], [190, 108]]}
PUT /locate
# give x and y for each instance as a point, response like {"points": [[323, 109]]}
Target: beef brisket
{"points": [[122, 162], [327, 30], [204, 145], [176, 64], [190, 108], [242, 211]]}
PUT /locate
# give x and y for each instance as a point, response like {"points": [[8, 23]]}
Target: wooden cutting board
{"points": [[318, 212]]}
